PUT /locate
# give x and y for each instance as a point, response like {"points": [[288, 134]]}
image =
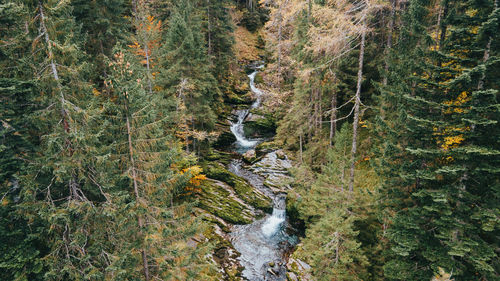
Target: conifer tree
{"points": [[435, 160], [145, 153], [186, 66], [219, 37]]}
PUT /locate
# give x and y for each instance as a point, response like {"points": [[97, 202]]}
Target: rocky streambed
{"points": [[244, 199]]}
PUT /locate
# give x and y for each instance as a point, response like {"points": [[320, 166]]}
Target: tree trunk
{"points": [[320, 110], [137, 197], [209, 29], [486, 56], [145, 43], [443, 27], [389, 38], [300, 144], [356, 108], [333, 113], [53, 67], [280, 24]]}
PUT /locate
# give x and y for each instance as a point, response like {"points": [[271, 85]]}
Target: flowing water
{"points": [[262, 243], [243, 144]]}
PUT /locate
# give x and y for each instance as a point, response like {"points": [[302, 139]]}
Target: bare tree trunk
{"points": [[320, 109], [280, 27], [443, 27], [53, 67], [137, 197], [209, 29], [337, 247], [389, 39], [300, 144], [356, 107], [316, 110], [486, 56], [146, 51], [333, 113], [309, 9]]}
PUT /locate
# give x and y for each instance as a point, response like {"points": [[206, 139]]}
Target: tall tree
{"points": [[146, 153], [438, 163], [186, 66]]}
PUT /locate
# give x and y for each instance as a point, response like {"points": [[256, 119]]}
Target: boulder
{"points": [[249, 156], [290, 276]]}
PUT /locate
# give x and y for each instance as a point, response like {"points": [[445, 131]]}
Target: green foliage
{"points": [[333, 242], [187, 71], [438, 152]]}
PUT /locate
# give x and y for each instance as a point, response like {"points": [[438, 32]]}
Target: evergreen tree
{"points": [[436, 156], [219, 38], [103, 23], [21, 245], [159, 247], [331, 245], [187, 71]]}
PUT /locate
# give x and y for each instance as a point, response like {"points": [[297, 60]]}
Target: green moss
{"points": [[258, 78], [220, 251], [217, 201], [217, 171], [219, 156], [292, 211], [265, 147], [235, 99], [244, 190], [265, 127], [248, 194]]}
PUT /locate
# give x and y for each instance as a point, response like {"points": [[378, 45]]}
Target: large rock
{"points": [[219, 199], [274, 168], [249, 156], [299, 268]]}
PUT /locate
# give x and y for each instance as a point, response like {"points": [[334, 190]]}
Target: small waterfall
{"points": [[273, 224], [237, 128], [264, 240]]}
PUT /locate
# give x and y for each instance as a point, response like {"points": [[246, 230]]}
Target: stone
{"points": [[270, 270], [280, 154], [249, 156], [290, 276]]}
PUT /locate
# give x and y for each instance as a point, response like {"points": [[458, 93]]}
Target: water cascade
{"points": [[273, 224], [242, 143], [263, 242]]}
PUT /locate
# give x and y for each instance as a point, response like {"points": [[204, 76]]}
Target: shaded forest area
{"points": [[114, 128]]}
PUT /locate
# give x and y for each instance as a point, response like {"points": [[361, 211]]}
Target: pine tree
{"points": [[21, 246], [103, 23], [146, 156], [219, 37], [56, 189], [434, 157], [331, 245], [187, 71]]}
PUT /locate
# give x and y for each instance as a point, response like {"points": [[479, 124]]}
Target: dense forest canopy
{"points": [[118, 132]]}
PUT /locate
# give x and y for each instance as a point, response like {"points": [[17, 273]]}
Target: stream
{"points": [[263, 243]]}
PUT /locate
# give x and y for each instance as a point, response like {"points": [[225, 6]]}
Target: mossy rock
{"points": [[265, 147], [219, 156], [215, 199], [249, 194], [225, 255], [241, 187], [225, 139], [238, 99], [259, 128], [258, 78]]}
